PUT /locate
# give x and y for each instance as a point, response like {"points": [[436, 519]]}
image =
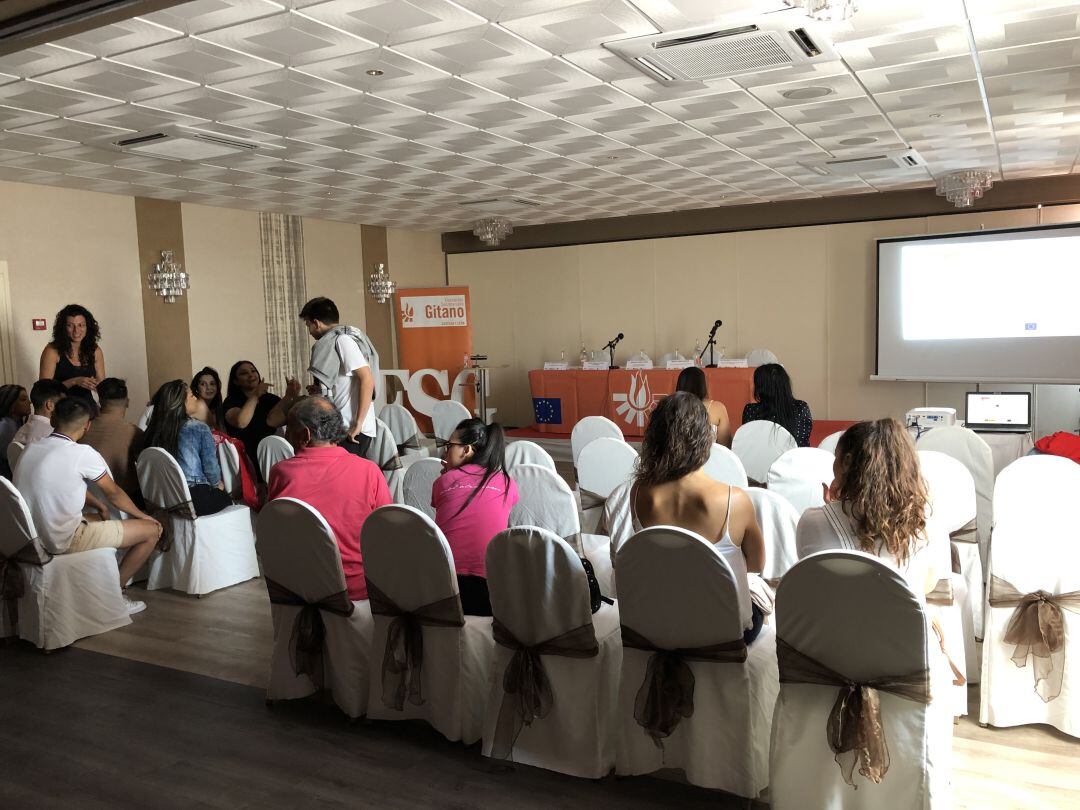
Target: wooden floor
{"points": [[201, 666]]}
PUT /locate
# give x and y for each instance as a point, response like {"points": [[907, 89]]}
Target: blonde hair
{"points": [[882, 487]]}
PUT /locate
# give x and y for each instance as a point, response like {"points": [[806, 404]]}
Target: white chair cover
{"points": [[525, 452], [758, 444], [407, 435], [799, 474], [67, 597], [408, 559], [299, 553], [271, 450], [829, 442], [870, 626], [144, 418], [446, 416], [545, 500], [677, 592], [589, 428], [208, 553], [1036, 514], [778, 520], [967, 447], [760, 357], [14, 453], [383, 452], [604, 464], [417, 483], [229, 461], [539, 592], [724, 466]]}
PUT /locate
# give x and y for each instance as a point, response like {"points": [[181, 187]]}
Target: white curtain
{"points": [[285, 292]]}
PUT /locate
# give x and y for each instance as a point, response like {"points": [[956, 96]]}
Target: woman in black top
{"points": [[776, 403], [74, 357], [251, 412]]}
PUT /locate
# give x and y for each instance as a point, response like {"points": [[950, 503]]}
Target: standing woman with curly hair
{"points": [[74, 358]]}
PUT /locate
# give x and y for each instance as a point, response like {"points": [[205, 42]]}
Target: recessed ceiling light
{"points": [[860, 141], [373, 72], [935, 115], [806, 93]]}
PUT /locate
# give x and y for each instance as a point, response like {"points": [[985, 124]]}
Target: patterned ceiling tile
{"points": [[922, 74], [30, 94], [580, 25], [12, 117], [119, 37], [289, 39], [205, 15], [391, 22], [536, 76], [287, 88], [137, 118], [42, 59], [892, 50], [207, 103], [477, 48], [115, 81], [195, 60], [1027, 58], [356, 71]]}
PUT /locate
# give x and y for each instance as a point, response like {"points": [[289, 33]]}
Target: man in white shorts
{"points": [[52, 475]]}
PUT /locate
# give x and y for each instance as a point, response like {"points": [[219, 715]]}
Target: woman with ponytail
{"points": [[472, 499]]}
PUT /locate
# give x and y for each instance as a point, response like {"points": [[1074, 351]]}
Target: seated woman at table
{"points": [[671, 488], [774, 402], [692, 380]]}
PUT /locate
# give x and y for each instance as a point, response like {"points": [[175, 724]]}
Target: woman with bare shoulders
{"points": [[73, 358], [693, 380]]}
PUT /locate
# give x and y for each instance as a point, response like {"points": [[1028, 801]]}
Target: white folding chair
{"points": [[204, 554], [758, 444], [307, 588], [540, 600], [679, 609], [545, 500], [778, 520], [440, 675], [525, 452], [14, 453], [589, 428], [829, 442], [724, 466], [603, 464], [229, 461], [271, 450], [799, 474], [446, 416], [1034, 565], [65, 597], [760, 357], [831, 609], [417, 483], [144, 417], [967, 447], [407, 436]]}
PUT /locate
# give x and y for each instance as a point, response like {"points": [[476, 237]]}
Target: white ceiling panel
{"points": [[30, 94], [40, 60], [392, 22], [195, 60], [116, 81], [120, 37], [288, 39], [581, 25], [200, 16]]}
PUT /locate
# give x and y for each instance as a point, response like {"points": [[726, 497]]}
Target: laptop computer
{"points": [[1004, 412]]}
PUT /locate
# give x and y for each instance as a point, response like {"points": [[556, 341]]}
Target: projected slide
{"points": [[999, 288]]}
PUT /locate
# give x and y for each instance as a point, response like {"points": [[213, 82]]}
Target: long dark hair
{"points": [[772, 388], [677, 440], [692, 380], [170, 414], [489, 451], [9, 395], [234, 386], [215, 404], [62, 343]]}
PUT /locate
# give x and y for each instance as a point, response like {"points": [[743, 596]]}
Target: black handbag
{"points": [[596, 598]]}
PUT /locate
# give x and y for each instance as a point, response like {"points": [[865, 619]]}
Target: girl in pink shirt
{"points": [[472, 499]]}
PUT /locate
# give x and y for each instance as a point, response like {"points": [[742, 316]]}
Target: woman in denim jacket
{"points": [[190, 442]]}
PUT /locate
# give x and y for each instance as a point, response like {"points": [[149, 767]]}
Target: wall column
{"points": [[379, 317]]}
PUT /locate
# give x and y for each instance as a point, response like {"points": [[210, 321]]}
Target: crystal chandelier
{"points": [[492, 230], [962, 189], [826, 10], [380, 285], [168, 278]]}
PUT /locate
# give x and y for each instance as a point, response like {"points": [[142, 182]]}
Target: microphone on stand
{"points": [[711, 343], [715, 326], [611, 350]]}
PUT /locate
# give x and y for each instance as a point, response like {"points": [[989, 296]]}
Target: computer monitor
{"points": [[1009, 410]]}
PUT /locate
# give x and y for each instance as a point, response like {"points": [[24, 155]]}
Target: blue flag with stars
{"points": [[547, 410]]}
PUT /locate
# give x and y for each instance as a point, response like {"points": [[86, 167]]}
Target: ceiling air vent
{"points": [[906, 159], [502, 203], [779, 40], [181, 143]]}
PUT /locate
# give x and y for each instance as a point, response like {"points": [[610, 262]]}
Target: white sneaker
{"points": [[133, 605]]}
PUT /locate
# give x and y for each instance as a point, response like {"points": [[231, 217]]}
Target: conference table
{"points": [[625, 396]]}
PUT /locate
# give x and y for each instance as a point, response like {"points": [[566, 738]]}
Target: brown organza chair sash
{"points": [[309, 630], [411, 443], [590, 499], [527, 694], [942, 593], [403, 656], [968, 533], [1037, 629], [666, 694], [855, 729], [13, 581], [184, 510], [391, 464]]}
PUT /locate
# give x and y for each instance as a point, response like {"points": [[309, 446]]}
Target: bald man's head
{"points": [[314, 422]]}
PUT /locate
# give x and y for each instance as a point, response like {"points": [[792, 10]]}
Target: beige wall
{"points": [[415, 258], [332, 265]]}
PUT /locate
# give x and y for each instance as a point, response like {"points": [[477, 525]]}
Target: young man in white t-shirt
{"points": [[347, 379], [52, 475]]}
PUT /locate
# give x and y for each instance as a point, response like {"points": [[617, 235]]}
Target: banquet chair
{"points": [[229, 461], [589, 428], [270, 451], [144, 417], [683, 651], [760, 357], [967, 447], [407, 436], [64, 597], [545, 500], [429, 661], [799, 474], [603, 464], [758, 444], [14, 453], [1034, 581], [417, 484], [778, 520], [829, 442], [724, 466], [526, 452], [196, 555], [383, 453], [872, 631], [309, 599], [544, 632], [445, 417]]}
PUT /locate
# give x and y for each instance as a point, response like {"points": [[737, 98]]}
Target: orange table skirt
{"points": [[627, 397]]}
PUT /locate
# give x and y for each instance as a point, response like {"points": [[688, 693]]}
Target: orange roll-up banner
{"points": [[434, 330]]}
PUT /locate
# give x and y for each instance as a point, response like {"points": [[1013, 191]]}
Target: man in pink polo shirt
{"points": [[344, 488]]}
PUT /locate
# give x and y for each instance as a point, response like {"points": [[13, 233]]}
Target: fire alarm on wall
{"points": [[39, 324]]}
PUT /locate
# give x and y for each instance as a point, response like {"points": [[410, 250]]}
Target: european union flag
{"points": [[547, 410]]}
